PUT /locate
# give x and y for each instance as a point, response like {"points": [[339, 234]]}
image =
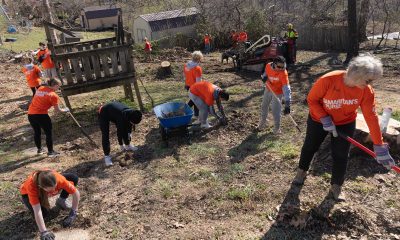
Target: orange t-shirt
{"points": [[44, 99], [147, 46], [192, 74], [242, 37], [47, 63], [32, 76], [276, 79], [330, 96], [205, 91], [29, 187], [207, 39]]}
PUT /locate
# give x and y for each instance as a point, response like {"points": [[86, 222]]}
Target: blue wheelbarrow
{"points": [[174, 117]]}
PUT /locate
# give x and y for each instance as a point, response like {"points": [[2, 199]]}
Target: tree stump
{"points": [[165, 70]]}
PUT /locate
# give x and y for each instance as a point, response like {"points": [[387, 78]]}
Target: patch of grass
{"points": [[237, 168], [235, 90], [30, 41], [239, 193], [201, 150], [362, 187], [396, 115], [390, 203], [166, 189], [202, 174], [285, 149], [326, 177]]}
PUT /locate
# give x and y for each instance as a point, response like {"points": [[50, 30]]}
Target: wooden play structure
{"points": [[94, 65]]}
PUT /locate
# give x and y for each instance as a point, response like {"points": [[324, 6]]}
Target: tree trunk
{"points": [[352, 51], [49, 17], [363, 20], [384, 24]]}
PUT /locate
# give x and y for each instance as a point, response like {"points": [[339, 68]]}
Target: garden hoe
{"points": [[365, 149]]}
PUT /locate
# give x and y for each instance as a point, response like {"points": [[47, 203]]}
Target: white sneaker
{"points": [[205, 125], [277, 131], [63, 203], [130, 147], [107, 160], [196, 122]]}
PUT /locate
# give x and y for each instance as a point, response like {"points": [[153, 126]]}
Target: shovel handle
{"points": [[365, 149]]}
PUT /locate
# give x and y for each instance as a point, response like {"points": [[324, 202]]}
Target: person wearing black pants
{"points": [[39, 122], [192, 105], [339, 147], [333, 103], [44, 98], [64, 194], [124, 119]]}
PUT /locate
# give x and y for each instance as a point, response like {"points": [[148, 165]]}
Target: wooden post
{"points": [[67, 101]]}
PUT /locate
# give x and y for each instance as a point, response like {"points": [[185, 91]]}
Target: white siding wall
{"points": [[141, 29], [186, 30], [102, 23]]}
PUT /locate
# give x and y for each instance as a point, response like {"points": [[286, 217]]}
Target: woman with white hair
{"points": [[192, 74], [333, 102]]}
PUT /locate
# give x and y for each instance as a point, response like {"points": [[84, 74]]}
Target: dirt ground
{"points": [[230, 183]]}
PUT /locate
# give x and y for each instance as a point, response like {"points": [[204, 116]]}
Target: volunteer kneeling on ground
{"points": [[32, 74], [192, 74], [43, 184], [44, 98], [203, 94], [276, 82], [333, 102], [124, 118]]}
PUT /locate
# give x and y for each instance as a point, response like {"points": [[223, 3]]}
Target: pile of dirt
{"points": [[173, 54]]}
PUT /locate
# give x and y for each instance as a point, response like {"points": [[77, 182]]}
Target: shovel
{"points": [[364, 148]]}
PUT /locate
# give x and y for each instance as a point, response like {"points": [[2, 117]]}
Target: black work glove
{"points": [[47, 235], [70, 219], [286, 110], [264, 79], [41, 59]]}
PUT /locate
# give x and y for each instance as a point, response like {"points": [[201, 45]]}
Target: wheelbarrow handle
{"points": [[364, 148]]}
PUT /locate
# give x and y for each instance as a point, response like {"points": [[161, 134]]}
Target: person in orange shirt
{"points": [[38, 117], [41, 185], [207, 43], [204, 94], [333, 102], [277, 85], [147, 48], [44, 58], [192, 73], [242, 36], [32, 74]]}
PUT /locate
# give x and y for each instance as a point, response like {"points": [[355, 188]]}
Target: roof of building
{"points": [[171, 19], [100, 12]]}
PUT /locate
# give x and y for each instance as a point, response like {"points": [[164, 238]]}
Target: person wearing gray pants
{"points": [[277, 85], [204, 94]]}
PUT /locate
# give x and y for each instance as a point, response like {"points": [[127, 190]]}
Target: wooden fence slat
{"points": [[122, 60], [114, 62], [87, 69], [77, 70], [96, 66], [67, 71], [104, 64]]}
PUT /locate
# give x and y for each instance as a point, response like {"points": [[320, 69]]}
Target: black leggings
{"points": [[33, 91], [339, 148], [38, 122], [64, 194]]}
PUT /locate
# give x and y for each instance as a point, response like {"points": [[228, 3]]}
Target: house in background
{"points": [[155, 26], [99, 17]]}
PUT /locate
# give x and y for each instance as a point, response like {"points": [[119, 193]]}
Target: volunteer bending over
{"points": [[204, 94], [333, 102], [43, 184], [124, 119]]}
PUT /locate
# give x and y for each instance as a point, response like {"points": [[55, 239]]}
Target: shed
{"points": [[158, 25], [99, 17]]}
